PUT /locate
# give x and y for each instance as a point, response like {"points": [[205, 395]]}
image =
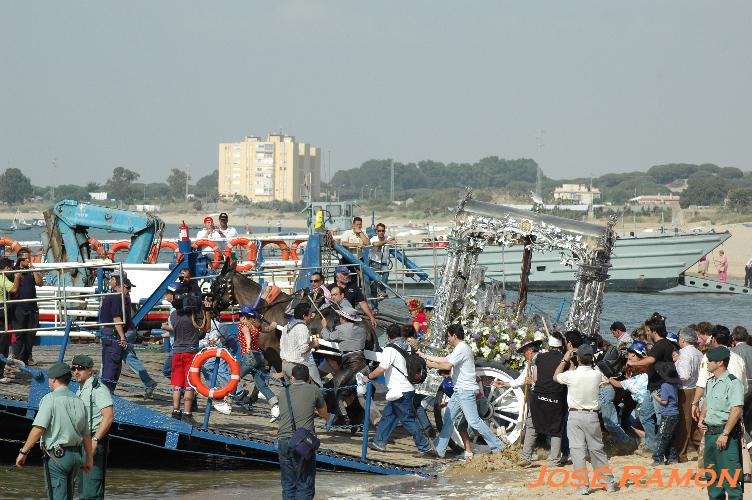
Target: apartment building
{"points": [[277, 168]]}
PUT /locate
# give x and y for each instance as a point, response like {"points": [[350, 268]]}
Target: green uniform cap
{"points": [[58, 370], [82, 360], [718, 353]]}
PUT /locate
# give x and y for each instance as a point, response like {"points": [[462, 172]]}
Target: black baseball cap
{"points": [[223, 216]]}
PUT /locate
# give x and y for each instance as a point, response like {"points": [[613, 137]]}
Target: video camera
{"points": [[188, 302], [608, 358]]}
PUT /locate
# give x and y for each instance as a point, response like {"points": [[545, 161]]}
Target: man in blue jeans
{"points": [[462, 363], [400, 395], [131, 359], [298, 476]]}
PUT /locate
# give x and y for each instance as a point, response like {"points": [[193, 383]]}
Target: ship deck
{"points": [[401, 457]]}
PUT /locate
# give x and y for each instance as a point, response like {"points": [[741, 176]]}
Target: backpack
{"points": [[417, 371]]}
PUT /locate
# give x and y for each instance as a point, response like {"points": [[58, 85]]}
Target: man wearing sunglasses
{"points": [[378, 258], [99, 417]]}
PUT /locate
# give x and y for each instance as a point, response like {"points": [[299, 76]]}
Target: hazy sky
{"points": [[154, 85]]}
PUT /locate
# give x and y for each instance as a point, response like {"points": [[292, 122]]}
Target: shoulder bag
{"points": [[304, 442]]}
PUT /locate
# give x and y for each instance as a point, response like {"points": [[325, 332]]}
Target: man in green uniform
{"points": [[99, 416], [61, 424], [724, 401]]}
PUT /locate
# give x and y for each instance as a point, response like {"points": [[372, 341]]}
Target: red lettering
{"points": [[553, 474], [599, 475], [732, 481], [655, 479], [701, 475], [674, 479], [579, 478], [541, 477]]}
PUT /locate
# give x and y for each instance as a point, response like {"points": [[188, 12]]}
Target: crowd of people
{"points": [[674, 393]]}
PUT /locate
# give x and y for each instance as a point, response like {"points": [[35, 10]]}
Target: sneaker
{"points": [[275, 413], [467, 456], [177, 414], [582, 490], [188, 419], [427, 454], [375, 446], [223, 407], [4, 380], [524, 462], [149, 391]]}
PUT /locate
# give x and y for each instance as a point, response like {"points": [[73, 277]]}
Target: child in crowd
{"points": [[668, 397], [420, 322]]}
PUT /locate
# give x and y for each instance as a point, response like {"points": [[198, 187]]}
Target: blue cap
{"points": [[174, 287], [672, 337], [342, 269], [249, 311], [428, 304], [639, 348]]}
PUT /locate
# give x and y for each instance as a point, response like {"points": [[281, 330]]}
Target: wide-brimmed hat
{"points": [[667, 372], [349, 313], [529, 342]]}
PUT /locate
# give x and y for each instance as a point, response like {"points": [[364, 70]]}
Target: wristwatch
{"points": [[95, 438], [24, 453]]}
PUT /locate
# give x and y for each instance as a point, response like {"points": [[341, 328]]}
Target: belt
{"points": [[347, 353], [582, 409], [719, 429]]}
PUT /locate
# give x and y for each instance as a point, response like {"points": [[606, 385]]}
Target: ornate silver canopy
{"points": [[477, 224]]}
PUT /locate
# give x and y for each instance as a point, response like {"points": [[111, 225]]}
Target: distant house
{"points": [[147, 208], [577, 194], [102, 196], [650, 201]]}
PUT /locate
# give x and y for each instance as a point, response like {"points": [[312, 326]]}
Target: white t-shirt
{"points": [[463, 367], [229, 233], [379, 254], [736, 367], [389, 359], [583, 385]]}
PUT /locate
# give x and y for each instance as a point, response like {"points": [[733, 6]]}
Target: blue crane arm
{"points": [[71, 221]]}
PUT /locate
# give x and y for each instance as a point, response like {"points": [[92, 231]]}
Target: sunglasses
{"points": [[77, 368], [315, 281]]}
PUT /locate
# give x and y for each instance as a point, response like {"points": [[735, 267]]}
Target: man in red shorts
{"points": [[187, 314]]}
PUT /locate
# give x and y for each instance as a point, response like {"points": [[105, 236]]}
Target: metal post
{"points": [[561, 310], [209, 401], [66, 338], [366, 421]]}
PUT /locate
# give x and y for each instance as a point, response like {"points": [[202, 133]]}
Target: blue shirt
{"points": [[669, 393]]}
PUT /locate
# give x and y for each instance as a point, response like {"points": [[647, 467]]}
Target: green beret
{"points": [[58, 370], [82, 360], [718, 353]]}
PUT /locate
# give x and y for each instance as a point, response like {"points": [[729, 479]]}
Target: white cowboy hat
{"points": [[349, 313]]}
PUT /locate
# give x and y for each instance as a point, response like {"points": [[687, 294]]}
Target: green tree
{"points": [[177, 180], [704, 190], [71, 192], [739, 198], [120, 185], [15, 187]]}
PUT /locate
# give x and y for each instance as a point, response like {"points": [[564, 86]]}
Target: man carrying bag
{"points": [[297, 441]]}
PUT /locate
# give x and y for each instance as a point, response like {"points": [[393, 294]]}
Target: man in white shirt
{"points": [[212, 233], [462, 363], [355, 239], [687, 362], [295, 343], [583, 426], [400, 395], [378, 257], [227, 232]]}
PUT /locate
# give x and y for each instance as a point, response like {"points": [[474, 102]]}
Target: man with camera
{"points": [[297, 474], [190, 322], [583, 426]]}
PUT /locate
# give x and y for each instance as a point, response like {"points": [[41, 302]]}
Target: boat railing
{"points": [[63, 299]]}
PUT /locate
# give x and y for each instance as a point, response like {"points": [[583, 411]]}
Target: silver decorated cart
{"points": [[461, 295]]}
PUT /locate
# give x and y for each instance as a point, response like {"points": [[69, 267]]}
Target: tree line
{"points": [[706, 184], [122, 186]]}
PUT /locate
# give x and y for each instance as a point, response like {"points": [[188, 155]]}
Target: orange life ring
{"points": [[251, 252], [38, 257], [194, 375], [213, 245], [294, 249], [154, 253], [95, 245], [116, 247], [282, 246], [13, 245]]}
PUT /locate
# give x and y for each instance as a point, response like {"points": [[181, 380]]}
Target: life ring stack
{"points": [[194, 374]]}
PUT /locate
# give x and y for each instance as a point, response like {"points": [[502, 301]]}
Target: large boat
{"points": [[648, 262]]}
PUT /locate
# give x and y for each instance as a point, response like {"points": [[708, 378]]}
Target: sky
{"points": [[583, 87]]}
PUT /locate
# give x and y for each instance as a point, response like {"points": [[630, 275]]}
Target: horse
{"points": [[231, 287]]}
